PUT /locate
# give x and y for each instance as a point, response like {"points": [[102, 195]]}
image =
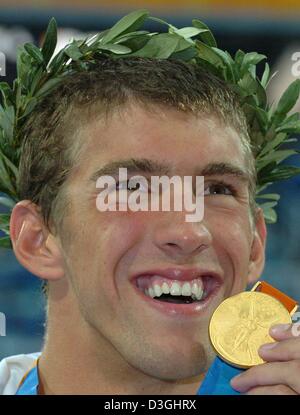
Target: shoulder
{"points": [[12, 370]]}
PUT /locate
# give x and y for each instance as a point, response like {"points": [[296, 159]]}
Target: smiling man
{"points": [[120, 316]]}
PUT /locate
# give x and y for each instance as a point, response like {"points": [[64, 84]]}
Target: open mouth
{"points": [[168, 298], [181, 292]]}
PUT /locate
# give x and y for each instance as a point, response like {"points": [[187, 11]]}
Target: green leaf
{"points": [[5, 180], [24, 65], [208, 66], [268, 205], [34, 52], [274, 143], [7, 120], [206, 37], [31, 104], [293, 117], [238, 57], [159, 46], [229, 62], [261, 95], [248, 84], [129, 36], [128, 23], [266, 76], [183, 44], [73, 52], [271, 196], [249, 59], [93, 40], [48, 86], [256, 112], [7, 202], [36, 78], [287, 100], [207, 53], [5, 242], [290, 127], [117, 49], [4, 219], [6, 93], [50, 41], [164, 22], [270, 215], [185, 55], [276, 156], [188, 32], [10, 168], [281, 173], [56, 65], [136, 43]]}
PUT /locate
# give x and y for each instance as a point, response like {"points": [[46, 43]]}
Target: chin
{"points": [[173, 367]]}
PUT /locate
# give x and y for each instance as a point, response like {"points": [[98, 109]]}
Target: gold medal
{"points": [[241, 324]]}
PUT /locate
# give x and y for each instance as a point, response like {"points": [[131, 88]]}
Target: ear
{"points": [[257, 255], [33, 244]]}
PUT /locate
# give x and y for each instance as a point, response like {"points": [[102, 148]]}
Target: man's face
{"points": [[112, 257]]}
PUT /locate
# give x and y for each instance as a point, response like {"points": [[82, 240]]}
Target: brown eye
{"points": [[131, 185], [219, 189], [127, 186]]}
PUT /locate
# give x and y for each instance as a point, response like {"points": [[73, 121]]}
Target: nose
{"points": [[179, 238]]}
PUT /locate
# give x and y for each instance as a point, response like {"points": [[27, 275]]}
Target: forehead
{"points": [[183, 139]]}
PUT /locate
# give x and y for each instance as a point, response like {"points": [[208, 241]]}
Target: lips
{"points": [[147, 282], [180, 274]]}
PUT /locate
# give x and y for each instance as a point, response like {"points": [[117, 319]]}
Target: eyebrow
{"points": [[138, 166], [223, 169], [133, 166]]}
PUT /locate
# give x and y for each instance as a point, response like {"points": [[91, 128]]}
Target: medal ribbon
{"points": [[217, 379]]}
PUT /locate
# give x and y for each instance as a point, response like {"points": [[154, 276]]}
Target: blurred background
{"points": [[270, 27]]}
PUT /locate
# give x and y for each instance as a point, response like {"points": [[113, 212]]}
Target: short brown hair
{"points": [[49, 148]]}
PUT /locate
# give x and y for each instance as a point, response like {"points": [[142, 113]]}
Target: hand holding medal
{"points": [[241, 325]]}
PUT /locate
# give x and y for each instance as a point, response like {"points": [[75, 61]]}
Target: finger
{"points": [[268, 374], [272, 390], [285, 331], [281, 351]]}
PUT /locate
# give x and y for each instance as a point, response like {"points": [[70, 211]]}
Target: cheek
{"points": [[101, 251], [120, 233], [232, 236], [102, 244]]}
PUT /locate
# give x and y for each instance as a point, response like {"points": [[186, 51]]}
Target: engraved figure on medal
{"points": [[240, 325]]}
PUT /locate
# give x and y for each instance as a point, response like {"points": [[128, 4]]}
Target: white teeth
{"points": [[165, 288], [196, 291], [175, 289], [200, 293], [195, 288], [186, 289], [157, 290], [151, 292]]}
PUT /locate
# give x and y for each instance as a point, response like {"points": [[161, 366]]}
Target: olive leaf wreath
{"points": [[39, 71]]}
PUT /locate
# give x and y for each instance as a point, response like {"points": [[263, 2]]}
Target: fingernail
{"points": [[235, 379], [268, 346], [280, 328], [234, 382]]}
